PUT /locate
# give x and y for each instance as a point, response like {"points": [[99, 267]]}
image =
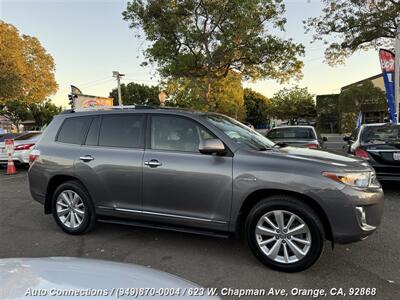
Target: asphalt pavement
{"points": [[211, 262]]}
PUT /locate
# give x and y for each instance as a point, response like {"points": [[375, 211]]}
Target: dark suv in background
{"points": [[202, 173]]}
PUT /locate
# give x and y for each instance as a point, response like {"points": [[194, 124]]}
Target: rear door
{"points": [[110, 161], [181, 185]]}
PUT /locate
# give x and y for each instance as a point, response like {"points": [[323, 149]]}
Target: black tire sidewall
{"points": [[298, 208], [89, 211]]}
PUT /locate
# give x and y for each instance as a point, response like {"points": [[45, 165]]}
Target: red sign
{"points": [[387, 60], [9, 143]]}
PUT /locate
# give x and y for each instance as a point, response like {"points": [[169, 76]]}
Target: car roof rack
{"points": [[117, 107]]}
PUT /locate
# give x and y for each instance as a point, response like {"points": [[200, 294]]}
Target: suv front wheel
{"points": [[285, 234], [72, 208]]}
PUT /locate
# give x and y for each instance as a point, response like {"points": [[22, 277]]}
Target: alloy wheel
{"points": [[283, 236], [70, 209]]}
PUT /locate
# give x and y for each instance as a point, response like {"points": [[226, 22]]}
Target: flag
{"points": [[386, 58], [359, 120], [75, 90]]}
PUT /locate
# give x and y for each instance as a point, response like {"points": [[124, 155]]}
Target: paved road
{"points": [[211, 262]]}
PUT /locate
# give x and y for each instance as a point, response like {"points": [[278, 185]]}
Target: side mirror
{"points": [[324, 138], [212, 146]]}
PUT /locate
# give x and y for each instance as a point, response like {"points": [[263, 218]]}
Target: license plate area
{"points": [[396, 156]]}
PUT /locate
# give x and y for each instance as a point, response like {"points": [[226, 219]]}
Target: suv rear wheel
{"points": [[72, 208], [285, 234]]}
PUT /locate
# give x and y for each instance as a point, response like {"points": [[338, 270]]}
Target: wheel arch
{"points": [[54, 182], [261, 194]]}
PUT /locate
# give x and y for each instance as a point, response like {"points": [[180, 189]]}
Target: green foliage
{"points": [[14, 110], [348, 26], [204, 40], [258, 107], [43, 112], [293, 103], [26, 69], [227, 97], [134, 93], [353, 98], [327, 107]]}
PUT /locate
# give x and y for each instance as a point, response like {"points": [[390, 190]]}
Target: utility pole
{"points": [[397, 73], [118, 75]]}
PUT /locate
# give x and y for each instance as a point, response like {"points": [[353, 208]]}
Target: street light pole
{"points": [[397, 73], [118, 75]]}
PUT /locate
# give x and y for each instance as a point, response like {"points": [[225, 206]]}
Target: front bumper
{"points": [[353, 214]]}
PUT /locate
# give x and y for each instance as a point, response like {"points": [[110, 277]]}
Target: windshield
{"points": [[240, 133], [27, 136], [292, 133], [385, 133]]}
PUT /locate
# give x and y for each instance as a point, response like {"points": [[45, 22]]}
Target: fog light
{"points": [[362, 218]]}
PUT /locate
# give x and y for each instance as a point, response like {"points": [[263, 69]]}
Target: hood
{"points": [[348, 162], [67, 273]]}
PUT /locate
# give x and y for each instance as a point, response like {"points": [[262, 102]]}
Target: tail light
{"points": [[33, 156], [23, 147], [312, 146], [361, 153]]}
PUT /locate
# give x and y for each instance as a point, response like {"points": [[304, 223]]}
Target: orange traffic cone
{"points": [[10, 167]]}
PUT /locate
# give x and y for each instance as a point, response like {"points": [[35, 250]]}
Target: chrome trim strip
{"points": [[383, 150], [144, 212]]}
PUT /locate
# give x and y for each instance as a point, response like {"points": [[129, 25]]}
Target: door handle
{"points": [[86, 158], [153, 163]]}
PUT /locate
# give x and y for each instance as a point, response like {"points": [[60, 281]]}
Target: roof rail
{"points": [[117, 107]]}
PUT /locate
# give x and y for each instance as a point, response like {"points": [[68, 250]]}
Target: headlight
{"points": [[357, 179]]}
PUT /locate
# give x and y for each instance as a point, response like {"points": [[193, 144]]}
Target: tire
{"points": [[83, 208], [258, 230]]}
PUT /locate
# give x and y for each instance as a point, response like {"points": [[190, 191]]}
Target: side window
{"points": [[177, 134], [73, 130], [125, 131], [92, 138]]}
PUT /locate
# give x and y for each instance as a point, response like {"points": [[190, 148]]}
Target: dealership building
{"points": [[330, 117]]}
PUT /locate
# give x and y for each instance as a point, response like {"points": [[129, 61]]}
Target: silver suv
{"points": [[203, 173]]}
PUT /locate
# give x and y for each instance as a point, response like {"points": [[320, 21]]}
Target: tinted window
{"points": [[73, 130], [178, 134], [292, 133], [381, 133], [92, 137], [122, 131]]}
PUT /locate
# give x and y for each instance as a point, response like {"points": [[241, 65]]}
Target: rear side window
{"points": [[73, 130], [125, 131], [92, 138]]}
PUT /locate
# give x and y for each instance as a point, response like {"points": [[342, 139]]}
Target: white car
{"points": [[23, 145]]}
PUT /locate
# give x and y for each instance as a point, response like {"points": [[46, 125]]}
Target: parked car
{"points": [[79, 278], [202, 173], [379, 144], [299, 136], [5, 136], [23, 144]]}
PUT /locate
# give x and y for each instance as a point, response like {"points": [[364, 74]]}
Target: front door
{"points": [[180, 184]]}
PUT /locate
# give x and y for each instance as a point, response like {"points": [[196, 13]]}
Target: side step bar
{"points": [[166, 227]]}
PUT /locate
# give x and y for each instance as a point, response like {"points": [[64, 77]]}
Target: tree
{"points": [[134, 93], [352, 99], [14, 110], [227, 97], [258, 107], [44, 112], [348, 26], [203, 40], [26, 69], [292, 104]]}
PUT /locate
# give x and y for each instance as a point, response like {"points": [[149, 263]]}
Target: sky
{"points": [[88, 39]]}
